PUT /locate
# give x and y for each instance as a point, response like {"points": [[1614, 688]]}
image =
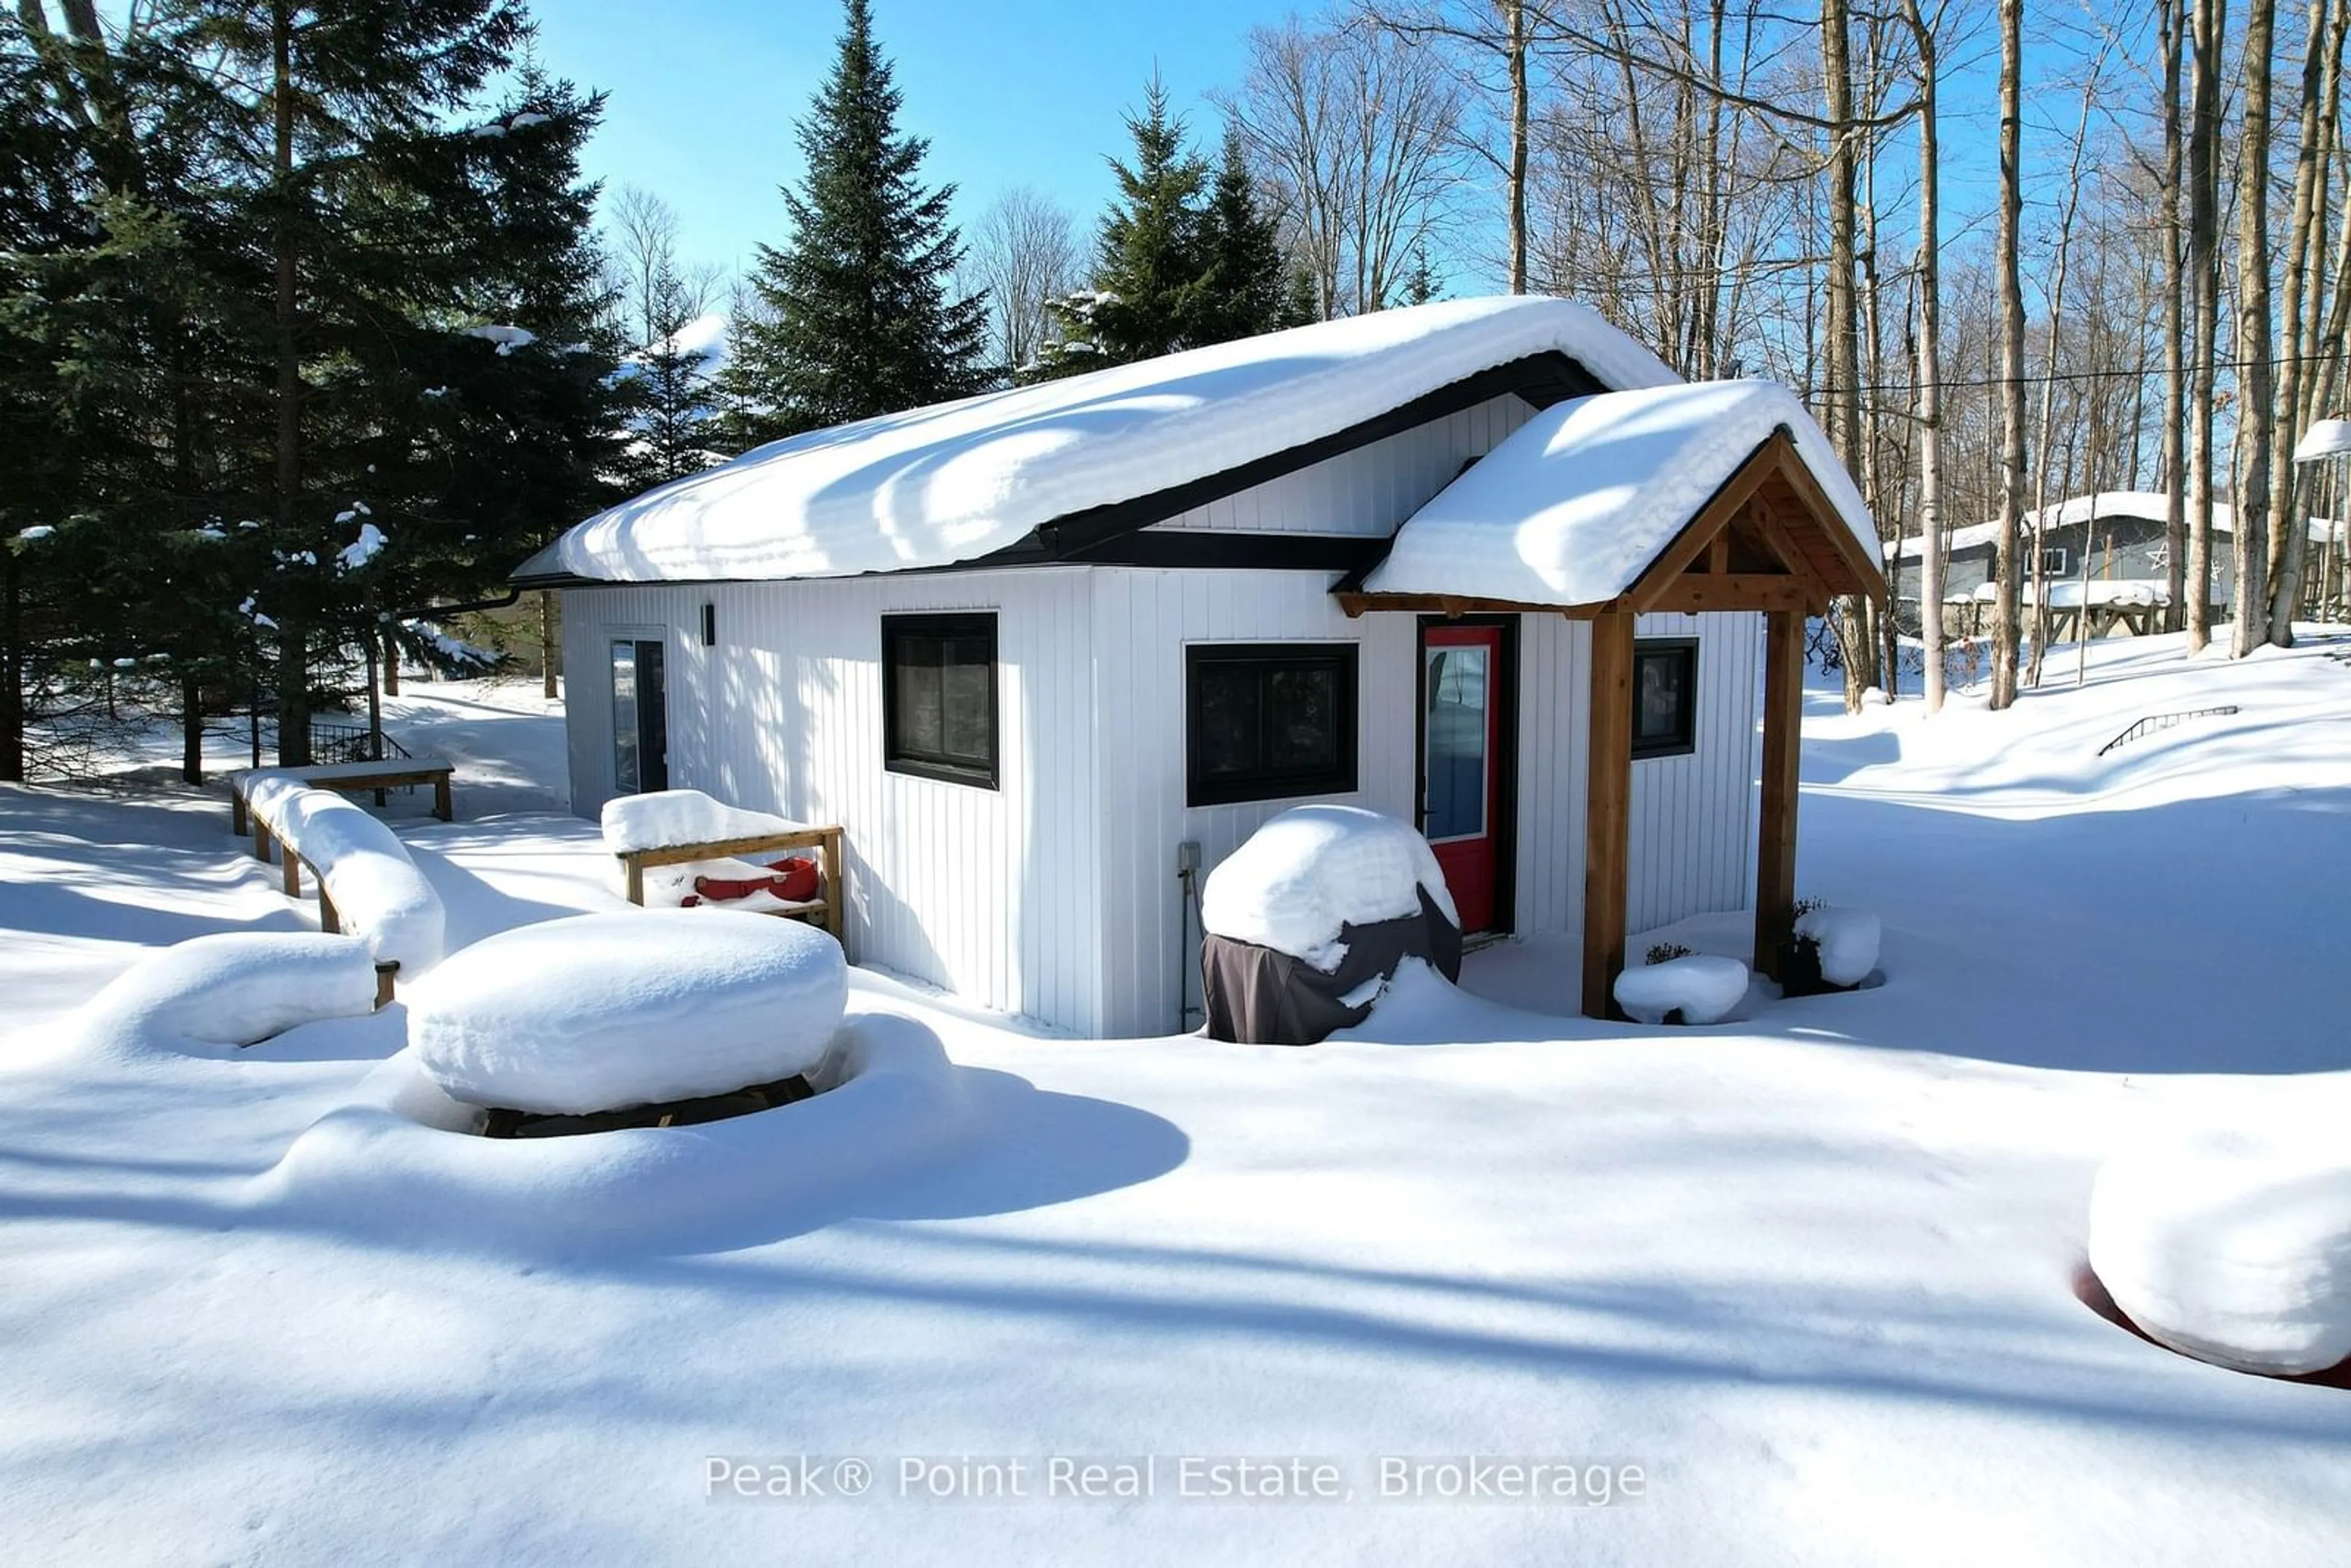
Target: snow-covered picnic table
{"points": [[348, 778]]}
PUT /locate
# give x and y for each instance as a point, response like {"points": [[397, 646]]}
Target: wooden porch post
{"points": [[1607, 811], [1775, 845]]}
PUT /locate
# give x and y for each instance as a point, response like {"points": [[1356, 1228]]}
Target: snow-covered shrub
{"points": [[1314, 868], [1846, 939], [2234, 1244], [1666, 952], [601, 1012], [1701, 987], [363, 866], [231, 990]]}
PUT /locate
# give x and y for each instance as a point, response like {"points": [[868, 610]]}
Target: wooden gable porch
{"points": [[1768, 542]]}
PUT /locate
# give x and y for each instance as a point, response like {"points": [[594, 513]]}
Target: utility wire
{"points": [[2040, 378]]}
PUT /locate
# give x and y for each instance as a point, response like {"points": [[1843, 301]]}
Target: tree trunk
{"points": [[13, 666], [2169, 24], [1931, 360], [2012, 355], [191, 726], [292, 663], [2049, 400], [390, 664], [1515, 48], [2289, 535], [1844, 324], [2207, 19], [2256, 405]]}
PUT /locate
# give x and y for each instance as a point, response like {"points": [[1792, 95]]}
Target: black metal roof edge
{"points": [[1077, 538]]}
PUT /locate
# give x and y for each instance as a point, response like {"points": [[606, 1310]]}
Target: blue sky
{"points": [[704, 93]]}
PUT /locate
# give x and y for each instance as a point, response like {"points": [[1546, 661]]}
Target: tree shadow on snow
{"points": [[2201, 936]]}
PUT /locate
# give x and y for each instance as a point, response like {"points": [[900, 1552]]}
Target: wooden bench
{"points": [[329, 922], [825, 911], [351, 778]]}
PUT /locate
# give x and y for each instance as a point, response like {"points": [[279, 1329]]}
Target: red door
{"points": [[1462, 699]]}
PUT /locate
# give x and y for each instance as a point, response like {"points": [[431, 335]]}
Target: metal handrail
{"points": [[2155, 721], [331, 742]]}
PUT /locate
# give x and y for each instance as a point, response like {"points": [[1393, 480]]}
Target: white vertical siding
{"points": [[1555, 684], [1144, 620], [1693, 828], [993, 893], [1370, 490]]}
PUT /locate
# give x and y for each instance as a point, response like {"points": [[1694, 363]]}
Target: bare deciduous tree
{"points": [[1929, 357], [1022, 251], [2012, 353], [1486, 35], [2255, 409], [1356, 133], [652, 288], [2298, 372], [2207, 19]]}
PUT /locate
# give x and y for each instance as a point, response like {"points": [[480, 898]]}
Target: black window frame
{"points": [[1229, 789], [940, 766], [1684, 743]]}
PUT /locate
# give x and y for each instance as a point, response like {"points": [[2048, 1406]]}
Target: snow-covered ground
{"points": [[1810, 1270]]}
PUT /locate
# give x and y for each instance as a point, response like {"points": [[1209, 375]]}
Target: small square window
{"points": [[938, 697], [1665, 697], [1268, 720], [2052, 560]]}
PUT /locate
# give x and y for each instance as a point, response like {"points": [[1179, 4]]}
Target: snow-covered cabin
{"points": [[1038, 650]]}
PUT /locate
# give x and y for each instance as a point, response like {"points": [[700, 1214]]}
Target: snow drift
{"points": [[209, 995], [599, 1012], [399, 1159], [376, 888], [2234, 1244], [1316, 869]]}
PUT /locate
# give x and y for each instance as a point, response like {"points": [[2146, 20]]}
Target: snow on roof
{"points": [[2324, 438], [2149, 506], [950, 483], [1576, 504]]}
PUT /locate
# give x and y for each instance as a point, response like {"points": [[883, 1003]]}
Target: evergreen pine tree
{"points": [[1421, 284], [242, 332], [373, 210], [123, 309], [862, 316], [1243, 286], [674, 398], [518, 442], [1148, 284], [1299, 306]]}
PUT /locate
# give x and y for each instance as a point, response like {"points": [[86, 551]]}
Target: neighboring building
{"points": [[1027, 646], [2123, 530]]}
